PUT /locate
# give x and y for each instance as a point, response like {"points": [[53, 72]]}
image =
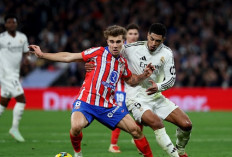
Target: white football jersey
{"points": [[139, 57], [11, 52]]}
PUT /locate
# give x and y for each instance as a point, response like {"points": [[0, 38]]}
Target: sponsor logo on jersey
{"points": [[108, 85], [157, 67]]}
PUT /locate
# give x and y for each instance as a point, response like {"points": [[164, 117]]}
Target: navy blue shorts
{"points": [[109, 117]]}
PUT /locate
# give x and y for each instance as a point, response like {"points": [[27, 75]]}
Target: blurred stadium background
{"points": [[199, 33]]}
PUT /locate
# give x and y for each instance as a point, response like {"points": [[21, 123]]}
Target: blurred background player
{"points": [[13, 44], [95, 99], [145, 101], [120, 94]]}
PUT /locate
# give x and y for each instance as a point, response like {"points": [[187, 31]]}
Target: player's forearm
{"points": [[162, 86], [134, 80], [61, 57], [169, 74]]}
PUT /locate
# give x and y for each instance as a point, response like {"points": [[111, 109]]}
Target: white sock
{"points": [[182, 140], [165, 142], [2, 109], [17, 114]]}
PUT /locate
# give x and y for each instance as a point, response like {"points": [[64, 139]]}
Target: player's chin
{"points": [[115, 52], [152, 48]]}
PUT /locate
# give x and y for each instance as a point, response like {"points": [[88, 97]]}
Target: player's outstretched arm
{"points": [[136, 79], [59, 57]]}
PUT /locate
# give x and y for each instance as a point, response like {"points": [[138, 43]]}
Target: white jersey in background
{"points": [[11, 51]]}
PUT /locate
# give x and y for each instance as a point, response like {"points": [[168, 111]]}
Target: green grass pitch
{"points": [[47, 133]]}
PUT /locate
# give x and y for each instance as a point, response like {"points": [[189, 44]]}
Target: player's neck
{"points": [[12, 33], [116, 56]]}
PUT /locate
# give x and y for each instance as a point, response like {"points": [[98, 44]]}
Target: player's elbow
{"points": [[67, 59], [131, 82]]}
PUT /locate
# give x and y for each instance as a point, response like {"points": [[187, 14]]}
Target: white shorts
{"points": [[11, 87], [161, 106]]}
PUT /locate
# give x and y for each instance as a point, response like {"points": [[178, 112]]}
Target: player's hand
{"points": [[148, 70], [153, 89], [36, 50], [89, 66]]}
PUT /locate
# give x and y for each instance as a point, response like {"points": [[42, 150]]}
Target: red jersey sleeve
{"points": [[127, 73], [90, 53]]}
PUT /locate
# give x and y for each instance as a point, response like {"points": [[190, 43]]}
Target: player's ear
{"points": [[148, 35], [164, 38]]}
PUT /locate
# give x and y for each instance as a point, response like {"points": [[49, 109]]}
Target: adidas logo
{"points": [[143, 58]]}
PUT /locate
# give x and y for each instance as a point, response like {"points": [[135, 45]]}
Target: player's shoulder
{"points": [[94, 50], [167, 50], [3, 34], [21, 34], [135, 44]]}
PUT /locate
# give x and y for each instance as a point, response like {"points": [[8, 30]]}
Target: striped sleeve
{"points": [[90, 53], [169, 74], [127, 73]]}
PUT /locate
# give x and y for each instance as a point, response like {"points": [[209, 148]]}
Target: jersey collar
{"points": [[107, 49], [157, 50]]}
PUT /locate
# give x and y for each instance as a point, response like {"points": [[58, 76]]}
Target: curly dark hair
{"points": [[158, 28]]}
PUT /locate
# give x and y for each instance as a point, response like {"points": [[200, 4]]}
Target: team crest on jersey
{"points": [[122, 68], [114, 77], [162, 59]]}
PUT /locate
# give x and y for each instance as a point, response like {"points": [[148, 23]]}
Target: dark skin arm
{"points": [[89, 67], [153, 89], [136, 79]]}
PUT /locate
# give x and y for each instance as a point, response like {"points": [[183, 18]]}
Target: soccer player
{"points": [[132, 35], [146, 102], [13, 44], [95, 99]]}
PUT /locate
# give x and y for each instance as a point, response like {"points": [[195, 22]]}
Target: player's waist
{"points": [[97, 99], [133, 92]]}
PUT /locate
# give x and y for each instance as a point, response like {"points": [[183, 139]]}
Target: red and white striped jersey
{"points": [[99, 85], [121, 86]]}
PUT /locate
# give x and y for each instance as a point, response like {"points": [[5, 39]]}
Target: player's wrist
{"points": [[41, 55]]}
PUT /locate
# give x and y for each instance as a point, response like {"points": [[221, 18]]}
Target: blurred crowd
{"points": [[199, 32]]}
